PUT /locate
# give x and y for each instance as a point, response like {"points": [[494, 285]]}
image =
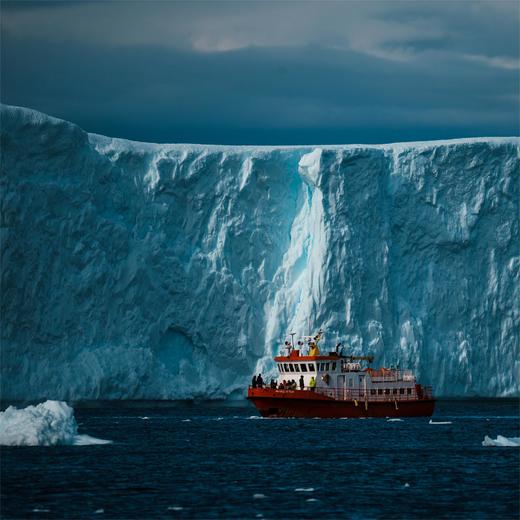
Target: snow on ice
{"points": [[135, 270]]}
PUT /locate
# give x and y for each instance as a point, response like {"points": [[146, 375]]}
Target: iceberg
{"points": [[47, 424], [509, 442], [156, 271]]}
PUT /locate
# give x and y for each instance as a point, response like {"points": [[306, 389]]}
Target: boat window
{"points": [[279, 368], [401, 390], [379, 391], [311, 367], [286, 367], [327, 367], [394, 391], [408, 391], [334, 366], [296, 367], [372, 391], [387, 391], [291, 368], [350, 382], [322, 367], [303, 366]]}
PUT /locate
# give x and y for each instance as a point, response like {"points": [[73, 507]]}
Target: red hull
{"points": [[304, 403]]}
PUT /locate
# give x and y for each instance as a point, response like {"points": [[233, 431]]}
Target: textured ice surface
{"points": [[134, 270], [510, 442], [46, 424]]}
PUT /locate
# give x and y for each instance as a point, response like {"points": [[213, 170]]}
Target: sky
{"points": [[270, 72]]}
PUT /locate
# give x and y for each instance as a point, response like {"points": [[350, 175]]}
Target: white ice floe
{"points": [[304, 490], [99, 511], [510, 442], [46, 424], [440, 422], [394, 420], [175, 508], [258, 495], [406, 485], [312, 500]]}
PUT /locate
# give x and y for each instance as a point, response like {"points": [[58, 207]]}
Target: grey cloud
{"points": [[306, 87]]}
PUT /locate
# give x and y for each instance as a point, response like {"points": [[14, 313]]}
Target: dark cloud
{"points": [[210, 83]]}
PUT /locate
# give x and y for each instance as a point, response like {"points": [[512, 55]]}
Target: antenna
{"points": [[292, 338]]}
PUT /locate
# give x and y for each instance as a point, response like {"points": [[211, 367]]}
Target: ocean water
{"points": [[222, 461]]}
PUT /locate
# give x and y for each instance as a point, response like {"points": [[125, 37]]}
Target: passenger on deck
{"points": [[302, 383], [253, 383], [273, 384], [260, 381], [312, 384], [294, 386]]}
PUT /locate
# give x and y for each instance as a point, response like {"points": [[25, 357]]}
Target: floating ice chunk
{"points": [[47, 424], [186, 420], [440, 422], [144, 418], [305, 490], [99, 511], [406, 485], [87, 440], [258, 495], [395, 420], [175, 508], [510, 442], [39, 510], [311, 500]]}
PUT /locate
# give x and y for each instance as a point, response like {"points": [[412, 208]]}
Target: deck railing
{"points": [[346, 394]]}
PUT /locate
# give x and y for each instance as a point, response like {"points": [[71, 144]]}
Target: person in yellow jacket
{"points": [[314, 349], [312, 384]]}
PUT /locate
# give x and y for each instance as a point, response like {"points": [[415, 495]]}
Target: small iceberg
{"points": [[509, 442], [257, 496], [395, 420], [440, 422], [50, 423]]}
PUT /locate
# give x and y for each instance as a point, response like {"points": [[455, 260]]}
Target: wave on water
{"points": [[50, 423], [510, 442]]}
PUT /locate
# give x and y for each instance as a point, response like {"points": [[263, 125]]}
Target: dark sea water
{"points": [[222, 461]]}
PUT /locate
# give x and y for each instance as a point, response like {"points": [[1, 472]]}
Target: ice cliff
{"points": [[134, 270]]}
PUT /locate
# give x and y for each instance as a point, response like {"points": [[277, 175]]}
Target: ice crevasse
{"points": [[134, 270]]}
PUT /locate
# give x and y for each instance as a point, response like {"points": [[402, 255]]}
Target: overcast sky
{"points": [[267, 72]]}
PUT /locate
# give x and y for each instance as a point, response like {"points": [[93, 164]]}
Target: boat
{"points": [[338, 385]]}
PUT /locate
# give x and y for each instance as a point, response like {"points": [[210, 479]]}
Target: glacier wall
{"points": [[133, 270]]}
